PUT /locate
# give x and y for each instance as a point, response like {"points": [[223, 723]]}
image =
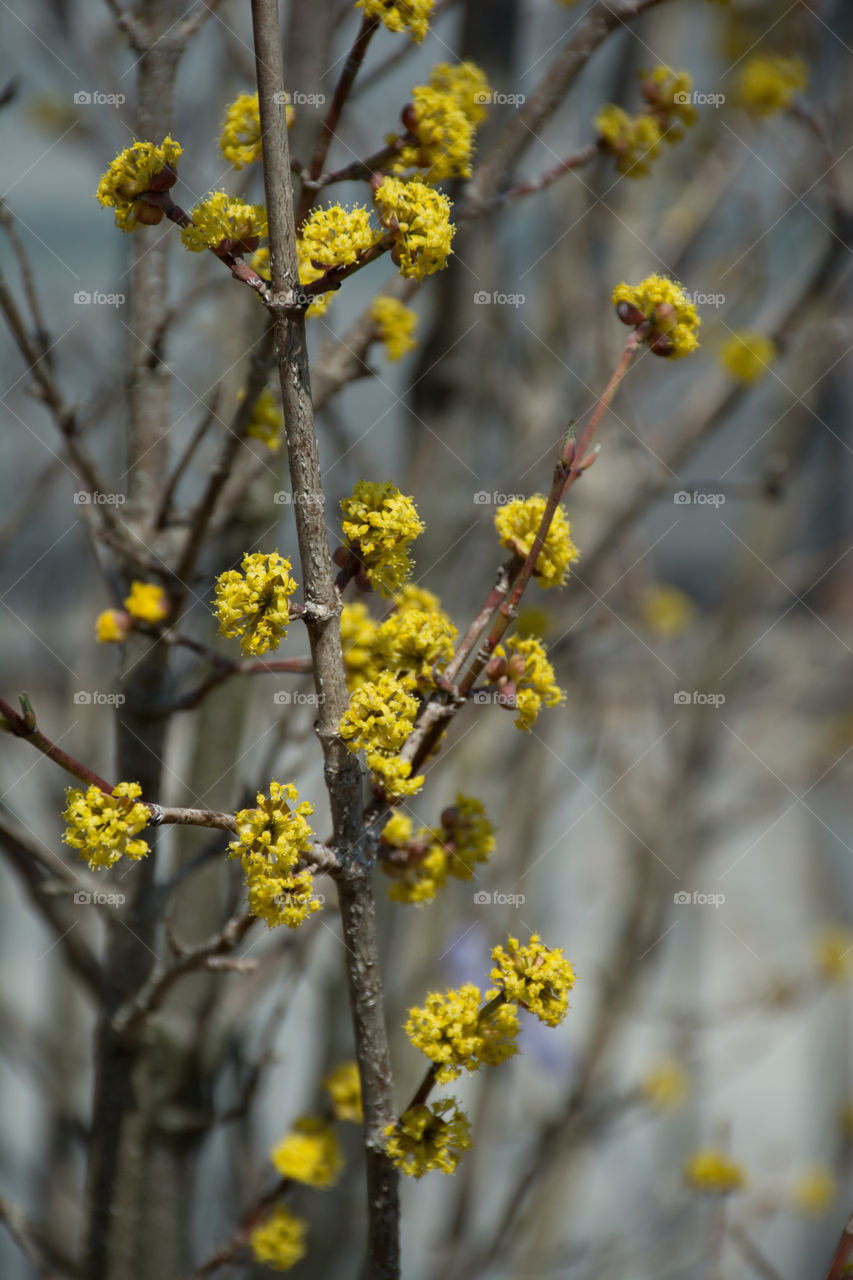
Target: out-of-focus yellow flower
{"points": [[309, 1154], [667, 611], [666, 1086], [834, 952], [344, 1089], [404, 15], [814, 1190], [769, 82], [146, 602], [396, 324], [112, 626], [748, 355], [429, 1137], [279, 1242], [711, 1170]]}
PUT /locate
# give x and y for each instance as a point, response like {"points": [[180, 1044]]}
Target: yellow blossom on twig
{"points": [[270, 841], [457, 1030], [102, 827], [279, 1242], [419, 217], [310, 1154], [112, 626], [404, 15], [141, 167], [518, 523], [146, 602], [664, 305], [531, 674], [241, 142], [252, 601], [538, 978], [344, 1089], [225, 224], [379, 522], [429, 1137]]}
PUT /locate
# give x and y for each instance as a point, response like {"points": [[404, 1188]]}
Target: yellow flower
{"points": [[139, 168], [538, 978], [279, 1241], [270, 841], [666, 1086], [146, 602], [310, 1154], [518, 523], [633, 140], [380, 716], [424, 1139], [111, 626], [411, 642], [396, 325], [393, 775], [101, 827], [266, 423], [252, 602], [663, 302], [669, 94], [379, 523], [467, 835], [444, 136], [241, 142], [834, 952], [769, 82], [358, 633], [533, 676], [344, 1089], [467, 85], [454, 1032], [336, 237], [419, 879], [814, 1190], [420, 220], [404, 15], [411, 597], [225, 225], [747, 355], [667, 611], [710, 1170]]}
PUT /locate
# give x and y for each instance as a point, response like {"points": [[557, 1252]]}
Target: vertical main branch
{"points": [[342, 773]]}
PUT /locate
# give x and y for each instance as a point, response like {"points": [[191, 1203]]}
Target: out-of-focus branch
{"points": [[30, 1239]]}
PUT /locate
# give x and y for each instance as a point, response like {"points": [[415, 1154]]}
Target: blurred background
{"points": [[680, 826]]}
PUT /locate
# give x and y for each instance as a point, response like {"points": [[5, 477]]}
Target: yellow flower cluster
{"points": [[102, 827], [667, 611], [536, 977], [404, 15], [814, 1190], [666, 1086], [663, 302], [270, 841], [518, 523], [139, 168], [769, 82], [379, 523], [344, 1089], [266, 422], [310, 1154], [240, 142], [442, 118], [279, 1242], [429, 1137], [336, 237], [225, 224], [112, 626], [396, 325], [454, 1031], [747, 355], [252, 601], [527, 666], [710, 1170], [358, 632], [834, 952], [410, 642], [635, 140], [420, 220], [146, 602], [420, 864], [379, 719], [260, 262]]}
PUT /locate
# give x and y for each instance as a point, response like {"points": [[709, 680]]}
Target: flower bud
{"points": [[660, 344], [409, 117], [494, 669], [449, 817], [629, 314], [507, 695]]}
